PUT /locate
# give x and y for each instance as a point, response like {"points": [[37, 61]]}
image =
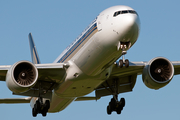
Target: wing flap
{"points": [[124, 84], [15, 100], [35, 93], [86, 98]]}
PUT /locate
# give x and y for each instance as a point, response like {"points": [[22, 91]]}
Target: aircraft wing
{"points": [[125, 78], [49, 75], [3, 71], [15, 100], [176, 65]]}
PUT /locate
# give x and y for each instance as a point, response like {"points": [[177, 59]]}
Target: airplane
{"points": [[90, 63]]}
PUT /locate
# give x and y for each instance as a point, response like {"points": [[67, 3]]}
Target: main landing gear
{"points": [[40, 107], [115, 105]]}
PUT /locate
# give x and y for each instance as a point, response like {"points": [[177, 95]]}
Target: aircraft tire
{"points": [[109, 111], [47, 104], [122, 102], [126, 63], [44, 113], [34, 112], [118, 111], [37, 106], [120, 63]]}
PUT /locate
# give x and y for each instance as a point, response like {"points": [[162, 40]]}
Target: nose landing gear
{"points": [[123, 61]]}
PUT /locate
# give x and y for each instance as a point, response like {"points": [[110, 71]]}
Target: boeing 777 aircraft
{"points": [[89, 64]]}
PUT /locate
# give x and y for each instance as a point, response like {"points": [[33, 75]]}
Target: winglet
{"points": [[34, 54]]}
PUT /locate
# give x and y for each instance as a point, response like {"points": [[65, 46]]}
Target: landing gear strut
{"points": [[123, 61], [40, 107], [114, 104]]}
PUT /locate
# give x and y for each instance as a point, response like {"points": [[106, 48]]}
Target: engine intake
{"points": [[21, 76], [158, 73], [24, 74]]}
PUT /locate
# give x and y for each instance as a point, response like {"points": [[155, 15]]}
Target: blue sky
{"points": [[55, 24]]}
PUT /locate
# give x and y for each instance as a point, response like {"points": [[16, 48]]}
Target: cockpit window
{"points": [[124, 12]]}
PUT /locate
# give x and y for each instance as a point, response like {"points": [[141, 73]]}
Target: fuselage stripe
{"points": [[78, 43]]}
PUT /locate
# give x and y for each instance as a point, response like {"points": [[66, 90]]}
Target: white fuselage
{"points": [[92, 54]]}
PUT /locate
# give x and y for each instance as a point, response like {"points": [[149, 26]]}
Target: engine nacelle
{"points": [[21, 76], [158, 73]]}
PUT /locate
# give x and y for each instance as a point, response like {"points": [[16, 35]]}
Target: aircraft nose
{"points": [[128, 26], [134, 21], [131, 21]]}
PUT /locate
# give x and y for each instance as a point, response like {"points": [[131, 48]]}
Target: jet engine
{"points": [[158, 73], [21, 76]]}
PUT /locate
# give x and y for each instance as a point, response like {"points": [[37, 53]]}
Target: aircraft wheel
{"points": [[112, 104], [34, 112], [109, 110], [44, 113], [122, 102], [37, 106], [47, 104], [120, 63], [126, 63], [118, 111]]}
